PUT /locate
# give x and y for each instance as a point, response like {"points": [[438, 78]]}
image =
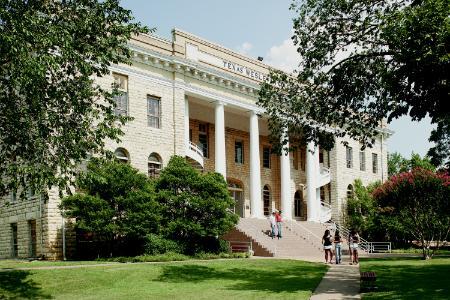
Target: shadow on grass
{"points": [[17, 285], [290, 279], [412, 279]]}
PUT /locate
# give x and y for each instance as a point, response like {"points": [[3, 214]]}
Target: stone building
{"points": [[197, 99]]}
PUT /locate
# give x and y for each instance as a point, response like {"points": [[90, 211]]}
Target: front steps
{"points": [[300, 239]]}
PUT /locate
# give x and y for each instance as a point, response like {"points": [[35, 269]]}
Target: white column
{"points": [[317, 174], [311, 182], [286, 200], [255, 169], [220, 159], [186, 122]]}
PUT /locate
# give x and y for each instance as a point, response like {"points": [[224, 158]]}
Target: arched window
{"points": [[298, 202], [266, 200], [122, 155], [237, 193], [350, 192], [154, 165]]}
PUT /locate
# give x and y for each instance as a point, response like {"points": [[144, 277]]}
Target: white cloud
{"points": [[283, 56], [244, 48]]}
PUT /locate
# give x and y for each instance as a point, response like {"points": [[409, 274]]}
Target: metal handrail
{"points": [[365, 245]]}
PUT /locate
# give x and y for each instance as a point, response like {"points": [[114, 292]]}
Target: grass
{"points": [[218, 279], [409, 278], [21, 263]]}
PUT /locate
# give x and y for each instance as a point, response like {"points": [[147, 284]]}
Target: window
{"points": [[32, 238], [295, 158], [239, 152], [322, 194], [321, 157], [121, 99], [362, 161], [203, 138], [122, 155], [14, 245], [31, 193], [154, 111], [266, 157], [349, 156], [154, 165], [374, 163], [349, 191], [303, 159], [266, 200], [13, 197]]}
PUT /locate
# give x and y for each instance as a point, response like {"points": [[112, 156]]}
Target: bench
{"points": [[368, 280]]}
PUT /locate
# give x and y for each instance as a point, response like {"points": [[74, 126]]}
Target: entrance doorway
{"points": [[237, 193], [299, 211]]}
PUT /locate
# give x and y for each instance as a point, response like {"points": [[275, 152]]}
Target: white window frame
{"points": [[121, 81], [153, 119]]}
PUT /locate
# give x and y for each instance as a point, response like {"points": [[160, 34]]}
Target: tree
{"points": [[363, 62], [362, 209], [114, 202], [52, 113], [399, 164], [196, 206], [441, 137], [418, 201]]}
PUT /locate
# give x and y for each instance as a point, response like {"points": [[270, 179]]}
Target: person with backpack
{"points": [[327, 245]]}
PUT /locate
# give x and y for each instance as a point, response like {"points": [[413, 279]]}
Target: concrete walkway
{"points": [[340, 282]]}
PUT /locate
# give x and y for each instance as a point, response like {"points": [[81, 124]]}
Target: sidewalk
{"points": [[340, 282]]}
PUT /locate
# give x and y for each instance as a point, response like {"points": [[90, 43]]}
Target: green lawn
{"points": [[19, 263], [409, 278], [220, 279]]}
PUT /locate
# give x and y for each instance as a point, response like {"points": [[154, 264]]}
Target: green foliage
{"points": [[115, 202], [196, 206], [399, 164], [418, 201], [362, 62], [156, 244], [53, 114], [362, 209], [440, 136]]}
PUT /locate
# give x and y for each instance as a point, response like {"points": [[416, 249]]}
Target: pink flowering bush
{"points": [[418, 202]]}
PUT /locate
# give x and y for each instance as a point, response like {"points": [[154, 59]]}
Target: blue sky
{"points": [[254, 28]]}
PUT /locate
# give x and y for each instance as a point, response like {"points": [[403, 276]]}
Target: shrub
{"points": [[155, 244]]}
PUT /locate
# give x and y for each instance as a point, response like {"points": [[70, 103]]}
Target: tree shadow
{"points": [[287, 279], [15, 284], [409, 281]]}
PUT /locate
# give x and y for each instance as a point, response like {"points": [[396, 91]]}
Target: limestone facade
{"points": [[188, 69]]}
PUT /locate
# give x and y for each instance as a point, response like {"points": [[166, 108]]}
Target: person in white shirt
{"points": [[273, 225]]}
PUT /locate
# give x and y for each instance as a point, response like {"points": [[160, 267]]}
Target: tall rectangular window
{"points": [[121, 82], [362, 161], [374, 163], [266, 157], [239, 152], [203, 138], [349, 156], [295, 158], [154, 111], [303, 158], [13, 197], [14, 245], [32, 238]]}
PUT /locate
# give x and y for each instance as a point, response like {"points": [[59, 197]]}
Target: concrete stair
{"points": [[300, 239]]}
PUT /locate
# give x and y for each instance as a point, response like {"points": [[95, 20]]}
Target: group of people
{"points": [[275, 224], [328, 240]]}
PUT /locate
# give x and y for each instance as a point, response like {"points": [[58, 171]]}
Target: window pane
{"points": [[203, 143], [362, 161], [349, 157], [266, 157], [238, 152], [374, 162], [154, 112], [121, 108]]}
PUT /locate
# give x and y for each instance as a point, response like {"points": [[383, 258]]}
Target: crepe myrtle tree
{"points": [[419, 202], [52, 113], [363, 63]]}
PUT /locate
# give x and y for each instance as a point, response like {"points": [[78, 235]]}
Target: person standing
{"points": [[337, 246], [279, 223], [273, 225], [354, 241], [327, 245]]}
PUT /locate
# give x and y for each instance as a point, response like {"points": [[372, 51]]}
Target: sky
{"points": [[255, 28]]}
